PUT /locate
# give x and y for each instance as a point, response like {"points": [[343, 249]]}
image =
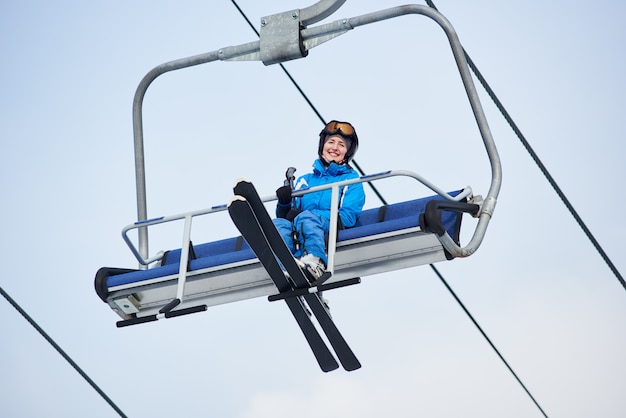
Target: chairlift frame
{"points": [[272, 35], [288, 36]]}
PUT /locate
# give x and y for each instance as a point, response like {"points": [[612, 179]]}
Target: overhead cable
{"points": [[471, 317], [61, 352]]}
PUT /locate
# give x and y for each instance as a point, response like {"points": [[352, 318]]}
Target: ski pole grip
{"points": [[290, 176]]}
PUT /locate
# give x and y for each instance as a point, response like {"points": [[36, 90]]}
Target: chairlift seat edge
{"points": [[230, 254]]}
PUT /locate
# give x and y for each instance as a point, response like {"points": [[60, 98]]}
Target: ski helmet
{"points": [[345, 130]]}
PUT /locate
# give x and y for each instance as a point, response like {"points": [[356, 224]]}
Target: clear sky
{"points": [[536, 285]]}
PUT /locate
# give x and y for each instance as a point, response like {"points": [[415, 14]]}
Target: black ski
{"points": [[247, 190], [245, 220]]}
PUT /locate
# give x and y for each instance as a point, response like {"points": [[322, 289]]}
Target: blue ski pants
{"points": [[310, 230]]}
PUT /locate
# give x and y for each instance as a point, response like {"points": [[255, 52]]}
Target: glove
{"points": [[284, 195]]}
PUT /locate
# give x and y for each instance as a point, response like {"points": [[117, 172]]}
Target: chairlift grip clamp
{"points": [[488, 206]]}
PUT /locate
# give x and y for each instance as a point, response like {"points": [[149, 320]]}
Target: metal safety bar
{"points": [[272, 48], [332, 237]]}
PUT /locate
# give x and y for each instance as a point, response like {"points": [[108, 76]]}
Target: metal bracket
{"points": [[128, 304], [281, 34], [281, 39]]}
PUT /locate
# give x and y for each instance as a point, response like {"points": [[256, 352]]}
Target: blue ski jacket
{"points": [[351, 198]]}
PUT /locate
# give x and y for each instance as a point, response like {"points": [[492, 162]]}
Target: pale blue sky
{"points": [[536, 285]]}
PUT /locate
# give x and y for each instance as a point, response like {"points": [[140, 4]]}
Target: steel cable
{"points": [[61, 352]]}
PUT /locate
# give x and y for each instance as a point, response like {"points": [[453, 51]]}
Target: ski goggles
{"points": [[342, 128]]}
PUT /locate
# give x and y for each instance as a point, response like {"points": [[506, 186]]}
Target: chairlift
{"points": [[423, 230]]}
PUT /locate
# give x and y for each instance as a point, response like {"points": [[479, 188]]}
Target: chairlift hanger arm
{"points": [[285, 37], [319, 11]]}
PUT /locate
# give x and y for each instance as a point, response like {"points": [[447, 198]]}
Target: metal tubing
{"points": [[319, 11], [145, 261], [342, 25], [313, 37], [472, 94], [184, 259], [332, 233], [140, 168]]}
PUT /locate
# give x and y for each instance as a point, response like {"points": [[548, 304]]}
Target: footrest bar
{"points": [[186, 311], [314, 289], [156, 317], [135, 321], [327, 275], [167, 308]]}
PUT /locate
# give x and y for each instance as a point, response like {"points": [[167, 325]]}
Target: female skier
{"points": [[304, 221]]}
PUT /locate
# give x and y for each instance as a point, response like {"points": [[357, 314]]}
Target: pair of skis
{"points": [[255, 224]]}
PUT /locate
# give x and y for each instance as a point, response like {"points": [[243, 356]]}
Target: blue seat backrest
{"points": [[220, 247], [397, 216], [369, 216], [392, 212], [372, 221], [405, 209]]}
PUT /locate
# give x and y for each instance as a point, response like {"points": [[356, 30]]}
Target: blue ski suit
{"points": [[313, 222]]}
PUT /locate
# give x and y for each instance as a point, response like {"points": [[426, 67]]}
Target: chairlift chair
{"points": [[419, 231]]}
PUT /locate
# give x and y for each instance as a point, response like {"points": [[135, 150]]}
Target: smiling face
{"points": [[335, 149]]}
